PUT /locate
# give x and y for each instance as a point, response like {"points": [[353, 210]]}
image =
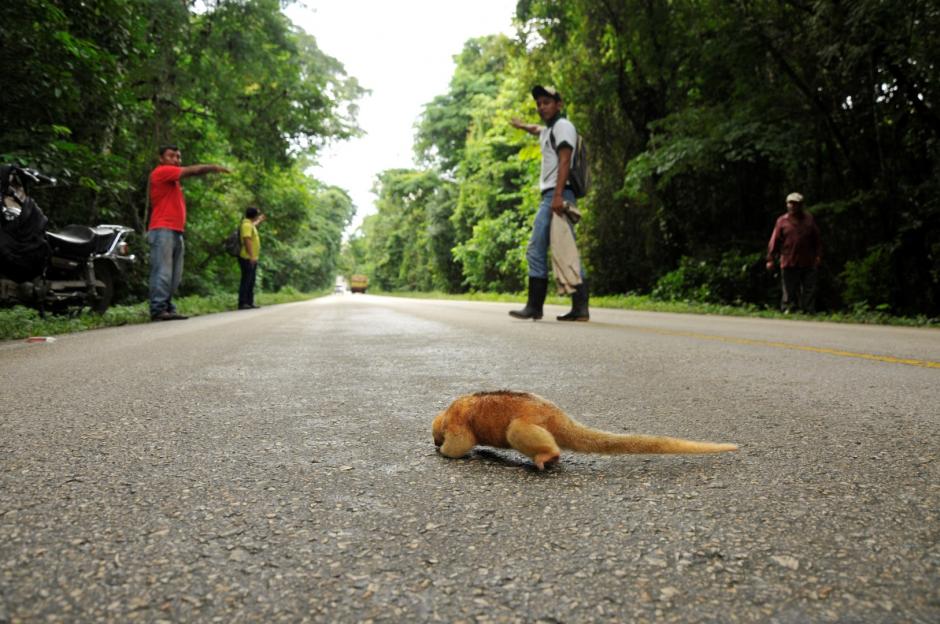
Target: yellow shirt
{"points": [[248, 230]]}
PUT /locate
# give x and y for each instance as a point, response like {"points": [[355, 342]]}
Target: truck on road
{"points": [[358, 283]]}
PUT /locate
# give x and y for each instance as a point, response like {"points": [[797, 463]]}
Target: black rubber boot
{"points": [[538, 287], [579, 305]]}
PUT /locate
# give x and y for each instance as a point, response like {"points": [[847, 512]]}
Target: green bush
{"points": [[734, 278], [493, 259], [867, 283]]}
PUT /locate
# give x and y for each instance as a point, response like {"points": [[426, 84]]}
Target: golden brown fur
{"points": [[538, 428]]}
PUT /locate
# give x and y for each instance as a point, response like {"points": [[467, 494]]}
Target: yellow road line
{"points": [[797, 347]]}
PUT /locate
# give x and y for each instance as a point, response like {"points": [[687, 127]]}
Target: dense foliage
{"points": [[701, 117], [92, 88]]}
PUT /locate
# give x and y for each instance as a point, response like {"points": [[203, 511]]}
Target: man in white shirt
{"points": [[557, 139]]}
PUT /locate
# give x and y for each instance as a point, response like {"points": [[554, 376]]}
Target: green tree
{"points": [[442, 130], [100, 85], [707, 113], [399, 248], [466, 133]]}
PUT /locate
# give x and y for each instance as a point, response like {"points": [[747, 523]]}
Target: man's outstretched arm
{"points": [[198, 170], [521, 125]]}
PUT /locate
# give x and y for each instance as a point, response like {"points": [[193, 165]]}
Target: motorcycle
{"points": [[76, 267]]}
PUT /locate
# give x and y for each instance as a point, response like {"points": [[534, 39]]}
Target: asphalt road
{"points": [[276, 465]]}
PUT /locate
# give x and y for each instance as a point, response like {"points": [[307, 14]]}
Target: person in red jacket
{"points": [[796, 243], [165, 232]]}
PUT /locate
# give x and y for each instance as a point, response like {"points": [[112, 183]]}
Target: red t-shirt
{"points": [[167, 206]]}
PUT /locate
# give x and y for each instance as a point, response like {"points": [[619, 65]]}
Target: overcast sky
{"points": [[403, 52]]}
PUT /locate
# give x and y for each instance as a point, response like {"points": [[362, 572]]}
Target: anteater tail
{"points": [[577, 437]]}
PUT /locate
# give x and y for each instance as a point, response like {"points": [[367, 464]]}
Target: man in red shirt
{"points": [[797, 243], [165, 232]]}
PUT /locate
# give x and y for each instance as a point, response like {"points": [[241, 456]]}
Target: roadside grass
{"points": [[21, 322], [648, 304]]}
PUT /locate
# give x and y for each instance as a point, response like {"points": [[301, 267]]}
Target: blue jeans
{"points": [[166, 268], [537, 252]]}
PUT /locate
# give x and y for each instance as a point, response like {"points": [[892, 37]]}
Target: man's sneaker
{"points": [[168, 316]]}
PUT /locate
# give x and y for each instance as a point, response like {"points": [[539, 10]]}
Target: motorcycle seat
{"points": [[73, 239], [75, 234]]}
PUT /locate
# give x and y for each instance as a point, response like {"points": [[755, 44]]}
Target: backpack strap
{"points": [[574, 149]]}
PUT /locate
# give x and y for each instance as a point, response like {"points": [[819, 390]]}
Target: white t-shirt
{"points": [[564, 134]]}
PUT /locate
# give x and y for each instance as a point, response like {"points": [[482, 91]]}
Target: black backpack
{"points": [[579, 177], [23, 247], [233, 243]]}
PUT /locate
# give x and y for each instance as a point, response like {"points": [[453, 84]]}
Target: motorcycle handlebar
{"points": [[36, 176]]}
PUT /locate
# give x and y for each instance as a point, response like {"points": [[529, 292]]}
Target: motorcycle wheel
{"points": [[104, 273]]}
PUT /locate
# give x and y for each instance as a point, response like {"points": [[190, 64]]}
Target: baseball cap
{"points": [[795, 197], [545, 91]]}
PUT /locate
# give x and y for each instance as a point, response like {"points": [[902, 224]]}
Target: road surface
{"points": [[276, 465]]}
